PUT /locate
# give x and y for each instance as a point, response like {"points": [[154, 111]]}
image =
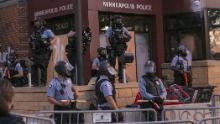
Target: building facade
{"points": [[156, 27], [14, 26]]}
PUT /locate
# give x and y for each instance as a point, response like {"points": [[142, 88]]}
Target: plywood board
{"points": [[58, 46]]}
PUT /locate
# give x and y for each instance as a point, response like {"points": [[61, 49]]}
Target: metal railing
{"points": [[215, 101], [34, 119], [212, 120], [195, 114], [167, 122], [101, 116]]}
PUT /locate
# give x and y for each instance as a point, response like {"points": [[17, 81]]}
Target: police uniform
{"points": [[180, 63], [14, 70], [151, 88], [118, 49], [104, 88], [61, 90], [71, 55], [41, 53]]}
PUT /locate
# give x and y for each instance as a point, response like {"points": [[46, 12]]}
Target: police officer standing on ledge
{"points": [[152, 89], [117, 36], [102, 58], [105, 91], [61, 92], [181, 67], [41, 38]]}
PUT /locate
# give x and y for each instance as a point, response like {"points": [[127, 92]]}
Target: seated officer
{"points": [[105, 90], [181, 67], [152, 89], [61, 92], [16, 71], [102, 58]]}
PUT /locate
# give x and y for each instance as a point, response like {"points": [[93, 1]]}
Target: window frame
{"points": [[168, 53]]}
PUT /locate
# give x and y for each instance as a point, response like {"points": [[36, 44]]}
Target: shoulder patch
{"points": [[107, 85], [51, 85]]}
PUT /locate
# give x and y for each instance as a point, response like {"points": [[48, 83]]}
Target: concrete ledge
{"points": [[79, 88], [30, 100], [8, 3], [202, 63]]}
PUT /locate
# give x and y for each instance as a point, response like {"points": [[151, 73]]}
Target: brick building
{"points": [[156, 27], [14, 26]]}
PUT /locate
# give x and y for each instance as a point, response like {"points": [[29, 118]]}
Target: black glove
{"points": [[158, 100]]}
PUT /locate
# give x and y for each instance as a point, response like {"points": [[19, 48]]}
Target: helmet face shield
{"points": [[112, 71], [63, 68], [68, 68], [150, 67]]}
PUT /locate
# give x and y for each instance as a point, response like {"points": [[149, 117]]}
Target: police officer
{"points": [[102, 58], [117, 36], [71, 53], [61, 92], [152, 89], [41, 38], [14, 71], [180, 66], [105, 91]]}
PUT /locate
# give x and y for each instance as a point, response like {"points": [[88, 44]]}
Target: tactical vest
{"points": [[117, 41], [12, 69], [151, 85], [100, 95], [41, 44], [102, 60]]}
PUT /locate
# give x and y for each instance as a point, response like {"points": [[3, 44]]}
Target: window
{"points": [[214, 32], [176, 25], [131, 22], [62, 24]]}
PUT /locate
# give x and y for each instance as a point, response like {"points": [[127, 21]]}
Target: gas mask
{"points": [[103, 54], [118, 23], [182, 51]]}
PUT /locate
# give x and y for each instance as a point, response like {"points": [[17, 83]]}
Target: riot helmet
{"points": [[102, 52], [181, 51], [39, 22], [12, 57], [63, 68], [117, 21], [150, 67], [107, 70]]}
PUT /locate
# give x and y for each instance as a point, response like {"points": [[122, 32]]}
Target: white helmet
{"points": [[150, 67]]}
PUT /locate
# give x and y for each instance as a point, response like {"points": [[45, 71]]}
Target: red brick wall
{"points": [[13, 27]]}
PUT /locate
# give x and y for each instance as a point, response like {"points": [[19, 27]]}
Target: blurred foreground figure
{"points": [[6, 104]]}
